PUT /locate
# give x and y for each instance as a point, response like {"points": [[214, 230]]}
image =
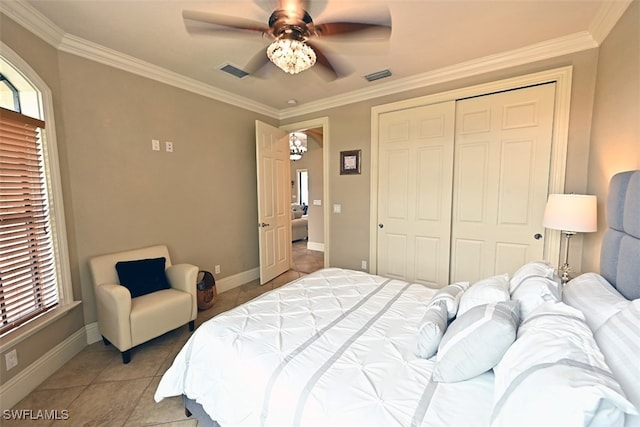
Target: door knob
{"points": [[263, 224], [537, 236], [380, 225]]}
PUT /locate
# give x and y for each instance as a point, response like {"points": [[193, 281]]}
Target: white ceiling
{"points": [[429, 38]]}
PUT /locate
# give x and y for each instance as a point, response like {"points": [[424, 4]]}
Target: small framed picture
{"points": [[350, 162]]}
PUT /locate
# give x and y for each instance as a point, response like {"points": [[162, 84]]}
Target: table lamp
{"points": [[571, 214]]}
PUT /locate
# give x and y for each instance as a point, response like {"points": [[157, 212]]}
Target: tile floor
{"points": [[97, 389]]}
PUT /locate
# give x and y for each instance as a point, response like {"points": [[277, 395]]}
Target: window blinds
{"points": [[28, 284]]}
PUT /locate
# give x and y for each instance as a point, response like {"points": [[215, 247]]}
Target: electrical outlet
{"points": [[155, 144], [169, 146], [11, 359], [363, 264], [216, 269]]}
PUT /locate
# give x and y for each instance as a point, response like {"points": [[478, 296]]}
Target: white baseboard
{"points": [[14, 390], [315, 246], [236, 280], [93, 333]]}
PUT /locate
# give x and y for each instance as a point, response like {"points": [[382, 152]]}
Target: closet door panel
{"points": [[414, 193], [503, 147]]}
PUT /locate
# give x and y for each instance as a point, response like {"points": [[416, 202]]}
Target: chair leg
{"points": [[126, 356], [192, 325], [105, 341]]}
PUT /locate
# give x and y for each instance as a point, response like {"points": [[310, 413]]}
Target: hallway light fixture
{"points": [[571, 214], [297, 145]]}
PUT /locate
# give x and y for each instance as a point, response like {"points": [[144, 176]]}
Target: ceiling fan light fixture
{"points": [[291, 55]]}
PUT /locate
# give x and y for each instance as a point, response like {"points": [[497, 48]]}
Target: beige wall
{"points": [[615, 141], [200, 200]]}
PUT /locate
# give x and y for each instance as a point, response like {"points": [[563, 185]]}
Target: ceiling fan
{"points": [[293, 33]]}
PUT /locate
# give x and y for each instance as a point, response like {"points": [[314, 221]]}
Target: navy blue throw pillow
{"points": [[143, 276]]}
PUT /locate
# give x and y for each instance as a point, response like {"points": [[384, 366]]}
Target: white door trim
{"points": [[562, 76], [322, 122]]}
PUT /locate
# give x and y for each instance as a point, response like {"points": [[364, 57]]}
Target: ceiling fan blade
{"points": [[362, 30], [196, 19], [329, 69], [256, 63], [267, 5]]}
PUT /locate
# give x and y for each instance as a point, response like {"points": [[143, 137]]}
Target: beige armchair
{"points": [[127, 321]]}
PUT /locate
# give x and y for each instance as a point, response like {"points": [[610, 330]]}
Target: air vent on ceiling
{"points": [[378, 75], [234, 71]]}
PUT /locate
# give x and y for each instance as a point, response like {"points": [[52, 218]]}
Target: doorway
{"points": [[315, 163]]}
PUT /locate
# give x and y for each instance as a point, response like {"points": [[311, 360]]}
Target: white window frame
{"points": [[41, 103]]}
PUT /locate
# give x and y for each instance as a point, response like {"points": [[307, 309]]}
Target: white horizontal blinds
{"points": [[27, 268]]}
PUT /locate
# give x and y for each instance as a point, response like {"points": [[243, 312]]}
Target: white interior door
{"points": [[502, 160], [414, 193], [274, 201]]}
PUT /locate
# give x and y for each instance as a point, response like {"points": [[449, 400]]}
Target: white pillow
{"points": [[432, 328], [475, 341], [451, 295], [595, 297], [531, 269], [532, 291], [555, 374], [491, 289], [619, 340]]}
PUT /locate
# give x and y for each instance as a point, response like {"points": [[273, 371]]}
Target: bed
{"points": [[342, 347]]}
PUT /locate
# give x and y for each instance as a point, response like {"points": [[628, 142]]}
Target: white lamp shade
{"points": [[571, 212]]}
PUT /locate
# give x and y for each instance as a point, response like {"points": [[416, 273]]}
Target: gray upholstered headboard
{"points": [[620, 254]]}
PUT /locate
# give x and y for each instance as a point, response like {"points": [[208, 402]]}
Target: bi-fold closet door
{"points": [[462, 185]]}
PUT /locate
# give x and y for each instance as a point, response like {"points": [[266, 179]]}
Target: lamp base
{"points": [[564, 273], [565, 269]]}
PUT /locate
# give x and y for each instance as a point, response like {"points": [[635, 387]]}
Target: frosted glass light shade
{"points": [[292, 56]]}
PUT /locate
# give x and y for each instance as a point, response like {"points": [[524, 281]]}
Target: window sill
{"points": [[23, 332]]}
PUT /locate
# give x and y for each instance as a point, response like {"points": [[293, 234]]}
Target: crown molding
{"points": [[95, 52], [606, 18], [548, 49], [28, 17]]}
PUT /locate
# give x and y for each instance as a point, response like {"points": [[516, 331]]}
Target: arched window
{"points": [[9, 95], [35, 283]]}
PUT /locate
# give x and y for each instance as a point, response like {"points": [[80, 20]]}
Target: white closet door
{"points": [[414, 193], [503, 147]]}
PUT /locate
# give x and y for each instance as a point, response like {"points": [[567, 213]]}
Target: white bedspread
{"points": [[336, 347]]}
